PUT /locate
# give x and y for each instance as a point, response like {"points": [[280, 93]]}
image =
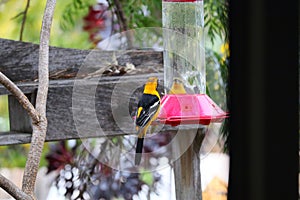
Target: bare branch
{"points": [[123, 22], [39, 130], [44, 58], [12, 189], [10, 86], [121, 15], [24, 19], [18, 15]]}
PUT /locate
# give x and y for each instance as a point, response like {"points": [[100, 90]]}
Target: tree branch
{"points": [[12, 189], [121, 15], [18, 15], [123, 22], [24, 19], [39, 130], [23, 100]]}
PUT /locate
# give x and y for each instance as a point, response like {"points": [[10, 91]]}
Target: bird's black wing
{"points": [[150, 105]]}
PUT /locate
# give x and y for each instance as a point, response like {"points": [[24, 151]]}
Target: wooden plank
{"points": [[18, 115], [60, 108], [8, 138], [19, 60], [61, 111]]}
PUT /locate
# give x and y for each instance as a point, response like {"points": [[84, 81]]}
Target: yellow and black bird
{"points": [[147, 111], [177, 86]]}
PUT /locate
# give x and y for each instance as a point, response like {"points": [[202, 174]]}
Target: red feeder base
{"points": [[189, 109]]}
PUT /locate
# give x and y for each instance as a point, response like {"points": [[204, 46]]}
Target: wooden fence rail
{"points": [[102, 70]]}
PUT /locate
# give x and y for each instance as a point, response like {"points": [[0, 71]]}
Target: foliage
{"points": [[221, 93], [16, 155], [142, 13], [13, 156], [217, 27], [215, 87], [216, 19], [10, 26], [74, 12], [217, 67], [67, 25]]}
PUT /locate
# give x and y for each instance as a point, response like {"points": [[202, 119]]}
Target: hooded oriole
{"points": [[147, 111], [177, 87]]}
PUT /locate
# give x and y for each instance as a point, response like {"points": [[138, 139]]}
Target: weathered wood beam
{"points": [[11, 137], [19, 60]]}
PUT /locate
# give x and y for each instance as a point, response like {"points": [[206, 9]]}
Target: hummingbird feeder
{"points": [[185, 100]]}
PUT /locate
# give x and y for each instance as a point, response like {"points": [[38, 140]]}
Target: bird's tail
{"points": [[138, 151]]}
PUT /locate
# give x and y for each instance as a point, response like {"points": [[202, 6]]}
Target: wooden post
{"points": [[187, 167]]}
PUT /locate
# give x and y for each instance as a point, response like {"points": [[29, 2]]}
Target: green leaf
{"points": [[115, 140], [147, 177]]}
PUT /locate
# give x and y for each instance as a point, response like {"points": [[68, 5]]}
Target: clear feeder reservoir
{"points": [[184, 53], [185, 100]]}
